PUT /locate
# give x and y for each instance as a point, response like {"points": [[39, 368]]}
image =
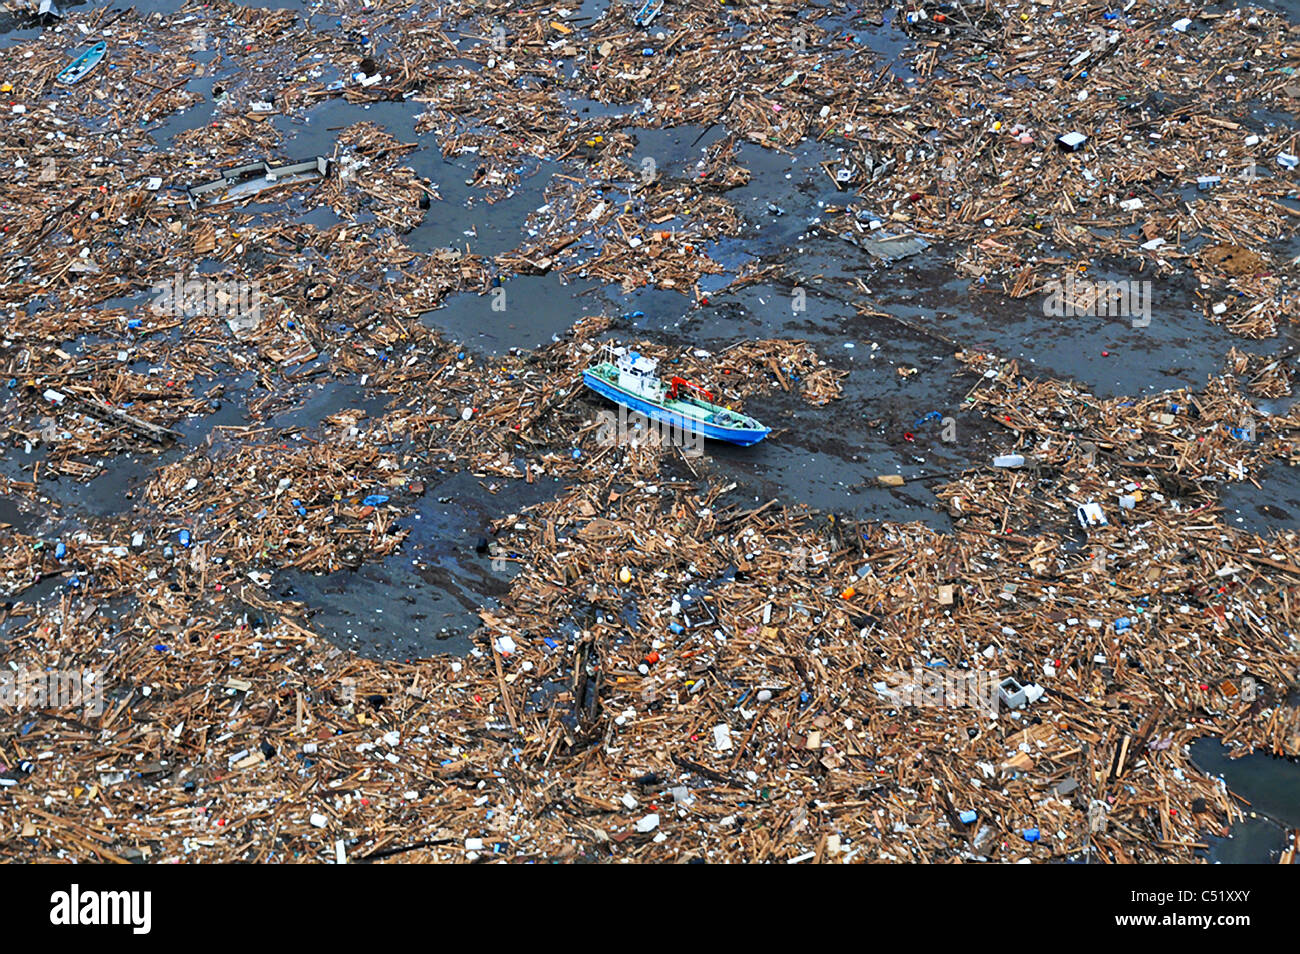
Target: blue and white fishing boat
{"points": [[631, 379], [82, 65]]}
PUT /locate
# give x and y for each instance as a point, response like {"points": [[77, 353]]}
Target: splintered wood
{"points": [[200, 406]]}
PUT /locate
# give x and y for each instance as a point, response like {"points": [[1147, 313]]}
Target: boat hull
{"points": [[82, 66], [744, 437]]}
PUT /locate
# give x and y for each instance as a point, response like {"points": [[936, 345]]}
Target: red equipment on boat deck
{"points": [[677, 382]]}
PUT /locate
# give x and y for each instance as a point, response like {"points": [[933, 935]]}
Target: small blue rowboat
{"points": [[630, 380], [80, 67]]}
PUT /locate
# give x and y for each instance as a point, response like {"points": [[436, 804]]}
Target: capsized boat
{"points": [[247, 181], [78, 69], [647, 12], [632, 380]]}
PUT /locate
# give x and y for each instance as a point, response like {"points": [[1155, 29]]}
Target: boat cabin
{"points": [[638, 375]]}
